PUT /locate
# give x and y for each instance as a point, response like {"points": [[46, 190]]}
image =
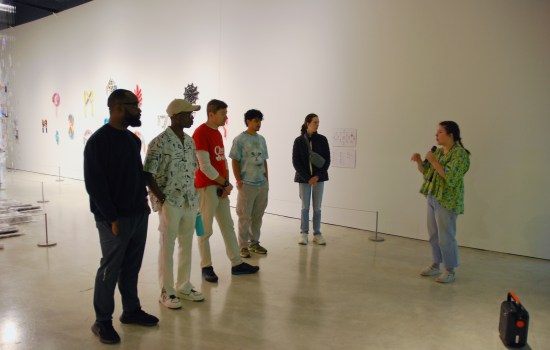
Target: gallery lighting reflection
{"points": [[7, 8], [9, 333]]}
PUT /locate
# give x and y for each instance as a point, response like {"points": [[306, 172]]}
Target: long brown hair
{"points": [[452, 128], [308, 119]]}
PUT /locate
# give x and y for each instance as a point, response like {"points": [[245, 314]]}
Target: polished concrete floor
{"points": [[350, 294]]}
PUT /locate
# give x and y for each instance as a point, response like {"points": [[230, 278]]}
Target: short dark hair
{"points": [[117, 96], [253, 114], [214, 106]]}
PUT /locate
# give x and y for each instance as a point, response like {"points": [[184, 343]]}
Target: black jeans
{"points": [[121, 262]]}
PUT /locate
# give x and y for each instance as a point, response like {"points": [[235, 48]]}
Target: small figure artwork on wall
{"points": [[225, 129], [191, 93], [105, 121], [88, 100], [56, 99], [57, 137], [111, 86], [44, 126], [71, 126], [87, 135], [163, 121], [137, 91], [143, 145]]}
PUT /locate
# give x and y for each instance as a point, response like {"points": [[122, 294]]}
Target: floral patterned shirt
{"points": [[174, 166], [448, 191]]}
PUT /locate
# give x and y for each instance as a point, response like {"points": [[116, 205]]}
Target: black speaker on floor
{"points": [[514, 322]]}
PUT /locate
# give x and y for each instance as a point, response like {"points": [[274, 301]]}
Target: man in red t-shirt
{"points": [[212, 180]]}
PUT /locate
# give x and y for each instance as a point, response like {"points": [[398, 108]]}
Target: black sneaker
{"points": [[105, 331], [209, 274], [244, 268], [138, 317]]}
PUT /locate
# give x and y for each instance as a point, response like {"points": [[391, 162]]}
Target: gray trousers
{"points": [[251, 204], [121, 262]]}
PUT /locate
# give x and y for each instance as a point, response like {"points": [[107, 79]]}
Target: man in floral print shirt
{"points": [[169, 168]]}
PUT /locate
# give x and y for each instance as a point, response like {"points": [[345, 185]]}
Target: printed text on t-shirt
{"points": [[219, 153]]}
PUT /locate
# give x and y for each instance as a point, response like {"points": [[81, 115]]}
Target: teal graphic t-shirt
{"points": [[251, 152]]}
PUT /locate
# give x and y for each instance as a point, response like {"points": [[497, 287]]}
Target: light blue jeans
{"points": [[307, 191], [442, 232]]}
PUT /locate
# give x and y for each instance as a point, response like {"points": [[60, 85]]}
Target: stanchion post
{"points": [[375, 238], [43, 200], [47, 243], [59, 180]]}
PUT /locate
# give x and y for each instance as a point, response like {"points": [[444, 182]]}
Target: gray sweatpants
{"points": [[251, 204], [121, 262]]}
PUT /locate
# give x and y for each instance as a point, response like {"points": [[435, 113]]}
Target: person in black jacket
{"points": [[114, 179], [310, 178]]}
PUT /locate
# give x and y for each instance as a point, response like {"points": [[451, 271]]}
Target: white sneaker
{"points": [[193, 295], [170, 301], [303, 240], [319, 240], [446, 277], [430, 271]]}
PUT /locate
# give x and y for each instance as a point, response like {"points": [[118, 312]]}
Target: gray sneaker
{"points": [[430, 271], [303, 240], [319, 240], [446, 277]]}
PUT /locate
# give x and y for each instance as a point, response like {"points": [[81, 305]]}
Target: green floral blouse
{"points": [[449, 192]]}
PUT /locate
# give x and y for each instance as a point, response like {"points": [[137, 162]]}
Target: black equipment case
{"points": [[514, 322]]}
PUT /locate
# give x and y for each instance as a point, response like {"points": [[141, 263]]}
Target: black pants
{"points": [[121, 262]]}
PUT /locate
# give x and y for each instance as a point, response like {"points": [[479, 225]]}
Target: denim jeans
{"points": [[307, 191], [442, 232]]}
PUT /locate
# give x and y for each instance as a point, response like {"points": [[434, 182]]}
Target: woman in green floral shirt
{"points": [[443, 187]]}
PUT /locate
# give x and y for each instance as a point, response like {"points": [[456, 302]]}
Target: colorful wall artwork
{"points": [[71, 126], [111, 86], [137, 91], [44, 125], [57, 137], [87, 135], [105, 121], [143, 145], [56, 99], [224, 128], [88, 100]]}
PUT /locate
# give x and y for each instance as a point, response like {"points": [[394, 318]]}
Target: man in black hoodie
{"points": [[113, 174]]}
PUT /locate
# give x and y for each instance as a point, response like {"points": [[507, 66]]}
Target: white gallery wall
{"points": [[391, 69]]}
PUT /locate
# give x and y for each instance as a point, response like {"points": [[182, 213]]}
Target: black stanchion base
{"points": [[42, 201], [376, 238], [46, 244]]}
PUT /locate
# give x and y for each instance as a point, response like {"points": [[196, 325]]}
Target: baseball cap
{"points": [[179, 105]]}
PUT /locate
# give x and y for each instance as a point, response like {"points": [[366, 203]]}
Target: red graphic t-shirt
{"points": [[210, 140]]}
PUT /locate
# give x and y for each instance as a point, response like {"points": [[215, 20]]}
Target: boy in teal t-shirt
{"points": [[249, 155]]}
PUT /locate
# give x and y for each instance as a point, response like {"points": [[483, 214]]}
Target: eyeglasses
{"points": [[133, 104]]}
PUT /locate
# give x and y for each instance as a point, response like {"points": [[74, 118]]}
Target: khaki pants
{"points": [[180, 224], [212, 206], [251, 204]]}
